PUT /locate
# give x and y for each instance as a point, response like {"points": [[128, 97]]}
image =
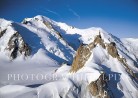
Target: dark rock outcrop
{"points": [[16, 45], [2, 33], [112, 50], [99, 88]]}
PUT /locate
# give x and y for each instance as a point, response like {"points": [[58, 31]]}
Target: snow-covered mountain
{"points": [[42, 58]]}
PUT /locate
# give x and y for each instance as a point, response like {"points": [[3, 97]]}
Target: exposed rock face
{"points": [[52, 28], [47, 24], [16, 45], [112, 50], [99, 40], [123, 61], [2, 32], [83, 54], [99, 88]]}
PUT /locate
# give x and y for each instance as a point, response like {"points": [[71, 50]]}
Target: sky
{"points": [[119, 17]]}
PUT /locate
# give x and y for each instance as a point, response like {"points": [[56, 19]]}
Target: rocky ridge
{"points": [[16, 45], [99, 87]]}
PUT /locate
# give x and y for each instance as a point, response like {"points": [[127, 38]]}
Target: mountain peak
{"points": [[88, 62]]}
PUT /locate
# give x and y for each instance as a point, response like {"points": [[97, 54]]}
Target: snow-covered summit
{"points": [[38, 33]]}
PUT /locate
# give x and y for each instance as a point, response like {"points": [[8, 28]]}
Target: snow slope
{"points": [[53, 47], [132, 45]]}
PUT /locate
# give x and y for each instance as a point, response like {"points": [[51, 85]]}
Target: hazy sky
{"points": [[119, 17]]}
